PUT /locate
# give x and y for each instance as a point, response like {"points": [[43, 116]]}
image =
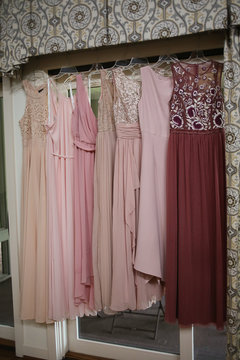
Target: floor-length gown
{"points": [[103, 193], [154, 124], [84, 132], [60, 154], [33, 254], [130, 288], [196, 205]]}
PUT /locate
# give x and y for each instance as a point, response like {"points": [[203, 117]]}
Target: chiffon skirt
{"points": [[196, 228], [102, 219]]}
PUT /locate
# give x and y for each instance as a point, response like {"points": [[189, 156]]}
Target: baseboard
{"points": [[76, 356]]}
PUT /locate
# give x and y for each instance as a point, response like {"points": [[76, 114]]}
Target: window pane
{"points": [[209, 343], [143, 329]]}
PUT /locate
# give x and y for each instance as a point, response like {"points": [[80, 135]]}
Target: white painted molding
{"points": [[57, 340], [7, 332], [35, 352], [11, 182], [187, 343]]}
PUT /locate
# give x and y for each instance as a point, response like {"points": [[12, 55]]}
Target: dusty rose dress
{"points": [[33, 254], [60, 152], [84, 129], [196, 214], [154, 123], [130, 289], [103, 192]]}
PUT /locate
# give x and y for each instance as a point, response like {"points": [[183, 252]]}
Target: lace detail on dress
{"points": [[35, 116], [197, 100], [105, 105], [126, 98]]}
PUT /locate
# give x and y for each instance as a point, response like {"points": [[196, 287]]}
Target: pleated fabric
{"points": [[34, 252], [84, 129], [154, 122], [103, 194], [60, 153], [196, 205], [130, 288]]}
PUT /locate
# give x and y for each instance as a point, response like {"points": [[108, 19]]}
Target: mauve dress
{"points": [[103, 193], [130, 288], [33, 250], [196, 205], [154, 124], [84, 135]]}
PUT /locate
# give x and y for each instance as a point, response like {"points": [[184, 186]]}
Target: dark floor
{"points": [[6, 304]]}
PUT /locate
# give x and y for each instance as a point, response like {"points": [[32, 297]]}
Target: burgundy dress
{"points": [[196, 208]]}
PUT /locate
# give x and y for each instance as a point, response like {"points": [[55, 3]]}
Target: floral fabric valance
{"points": [[37, 27]]}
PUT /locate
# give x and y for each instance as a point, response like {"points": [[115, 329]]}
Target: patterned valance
{"points": [[37, 27]]}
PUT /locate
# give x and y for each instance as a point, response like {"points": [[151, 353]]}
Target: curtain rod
{"points": [[151, 59]]}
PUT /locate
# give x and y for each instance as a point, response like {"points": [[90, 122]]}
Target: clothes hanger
{"points": [[163, 64], [197, 56], [65, 71], [134, 62], [167, 59]]}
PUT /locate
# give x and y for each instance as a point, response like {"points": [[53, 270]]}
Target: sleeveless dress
{"points": [[60, 227], [154, 123], [196, 213], [103, 188], [130, 288], [33, 254], [84, 129]]}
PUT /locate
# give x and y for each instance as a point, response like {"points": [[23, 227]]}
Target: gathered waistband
{"points": [[197, 132], [128, 131]]}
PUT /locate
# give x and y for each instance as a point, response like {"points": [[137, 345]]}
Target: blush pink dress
{"points": [[33, 250], [60, 153], [130, 288], [154, 123], [103, 193], [84, 129]]}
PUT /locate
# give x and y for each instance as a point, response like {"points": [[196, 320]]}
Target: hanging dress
{"points": [[130, 289], [196, 213], [103, 188], [33, 254], [84, 138], [60, 154], [154, 124]]}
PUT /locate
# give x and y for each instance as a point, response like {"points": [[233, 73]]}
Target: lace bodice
{"points": [[126, 98], [35, 116], [105, 105], [196, 102]]}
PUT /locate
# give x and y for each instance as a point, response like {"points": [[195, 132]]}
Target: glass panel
{"points": [[142, 329], [6, 305], [209, 343]]}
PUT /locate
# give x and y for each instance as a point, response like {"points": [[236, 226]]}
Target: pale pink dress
{"points": [[130, 288], [33, 245], [103, 192], [154, 123], [60, 227], [84, 129]]}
